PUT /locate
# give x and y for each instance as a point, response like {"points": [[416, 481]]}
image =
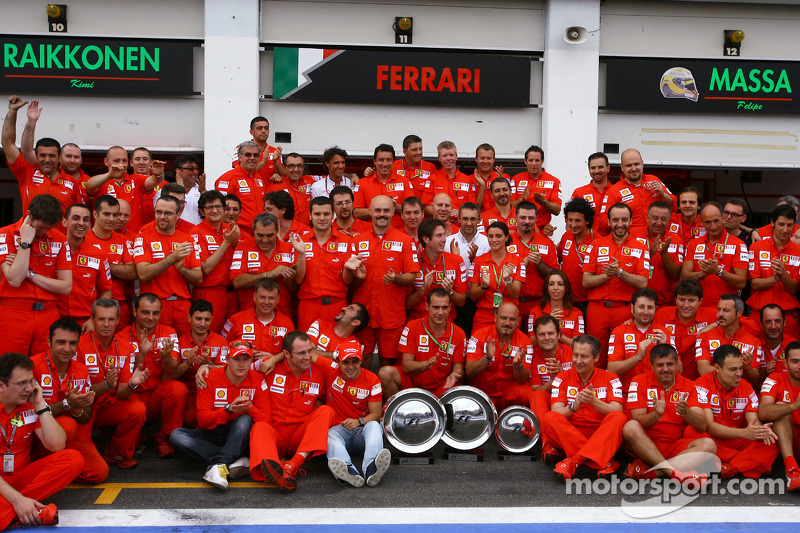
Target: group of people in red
{"points": [[245, 317]]}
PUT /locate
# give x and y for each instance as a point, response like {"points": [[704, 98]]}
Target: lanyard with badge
{"points": [[445, 347], [497, 299], [8, 456], [721, 251], [417, 171], [56, 375], [581, 259], [651, 259]]}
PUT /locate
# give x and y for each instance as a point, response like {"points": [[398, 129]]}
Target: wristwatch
{"points": [[24, 245], [227, 407], [361, 421], [43, 410], [31, 274], [65, 405]]}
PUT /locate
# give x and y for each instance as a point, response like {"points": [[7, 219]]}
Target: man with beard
{"points": [[390, 264], [596, 190], [91, 275], [383, 182], [717, 260], [486, 171], [326, 336], [630, 345], [636, 189], [344, 221], [499, 359], [728, 331], [431, 351], [438, 269], [502, 210], [662, 403], [665, 248], [616, 266]]}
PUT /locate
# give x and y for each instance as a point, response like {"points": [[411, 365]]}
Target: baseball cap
{"points": [[348, 349], [241, 350]]}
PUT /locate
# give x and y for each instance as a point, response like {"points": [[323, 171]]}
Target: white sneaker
{"points": [[339, 469], [378, 468], [217, 475], [239, 468]]}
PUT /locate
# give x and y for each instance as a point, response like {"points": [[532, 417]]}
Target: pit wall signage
{"points": [[702, 86], [401, 77], [94, 66]]}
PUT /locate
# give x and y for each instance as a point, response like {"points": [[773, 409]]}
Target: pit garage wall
{"points": [[472, 25], [747, 140]]}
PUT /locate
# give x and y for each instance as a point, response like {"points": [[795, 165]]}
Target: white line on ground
{"points": [[442, 515]]}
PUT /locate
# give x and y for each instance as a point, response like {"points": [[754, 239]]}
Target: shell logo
{"points": [[764, 255], [339, 382], [279, 380], [363, 246], [542, 369], [47, 380], [651, 394], [220, 394], [629, 337], [572, 391], [715, 400], [248, 328], [714, 345], [252, 256], [604, 250], [156, 246]]}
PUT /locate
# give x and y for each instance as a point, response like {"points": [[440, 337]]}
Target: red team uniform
{"points": [[448, 349]]}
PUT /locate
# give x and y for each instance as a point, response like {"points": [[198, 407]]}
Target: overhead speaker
{"points": [[575, 34]]}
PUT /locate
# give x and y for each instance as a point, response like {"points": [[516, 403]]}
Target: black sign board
{"points": [[405, 77], [702, 85], [91, 66]]}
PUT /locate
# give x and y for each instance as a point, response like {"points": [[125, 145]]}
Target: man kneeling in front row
{"points": [[227, 407]]}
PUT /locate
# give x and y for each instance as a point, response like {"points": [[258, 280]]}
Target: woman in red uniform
{"points": [[495, 277], [557, 302]]}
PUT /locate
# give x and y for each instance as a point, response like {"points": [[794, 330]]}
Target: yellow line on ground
{"points": [[110, 491]]}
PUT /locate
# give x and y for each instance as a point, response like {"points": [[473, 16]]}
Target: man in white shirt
{"points": [[334, 160]]}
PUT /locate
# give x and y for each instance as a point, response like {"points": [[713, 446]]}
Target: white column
{"points": [[231, 79], [570, 92]]}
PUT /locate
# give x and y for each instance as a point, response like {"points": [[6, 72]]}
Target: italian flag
{"points": [[290, 66]]}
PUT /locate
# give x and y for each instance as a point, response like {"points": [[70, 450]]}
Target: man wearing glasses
{"points": [[187, 174], [297, 184], [216, 240], [167, 261], [245, 184], [25, 483], [733, 215]]}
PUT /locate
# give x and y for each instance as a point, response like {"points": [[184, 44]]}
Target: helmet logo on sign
{"points": [[678, 82]]}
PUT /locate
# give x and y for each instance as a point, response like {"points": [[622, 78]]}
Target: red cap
{"points": [[348, 349], [241, 350]]}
